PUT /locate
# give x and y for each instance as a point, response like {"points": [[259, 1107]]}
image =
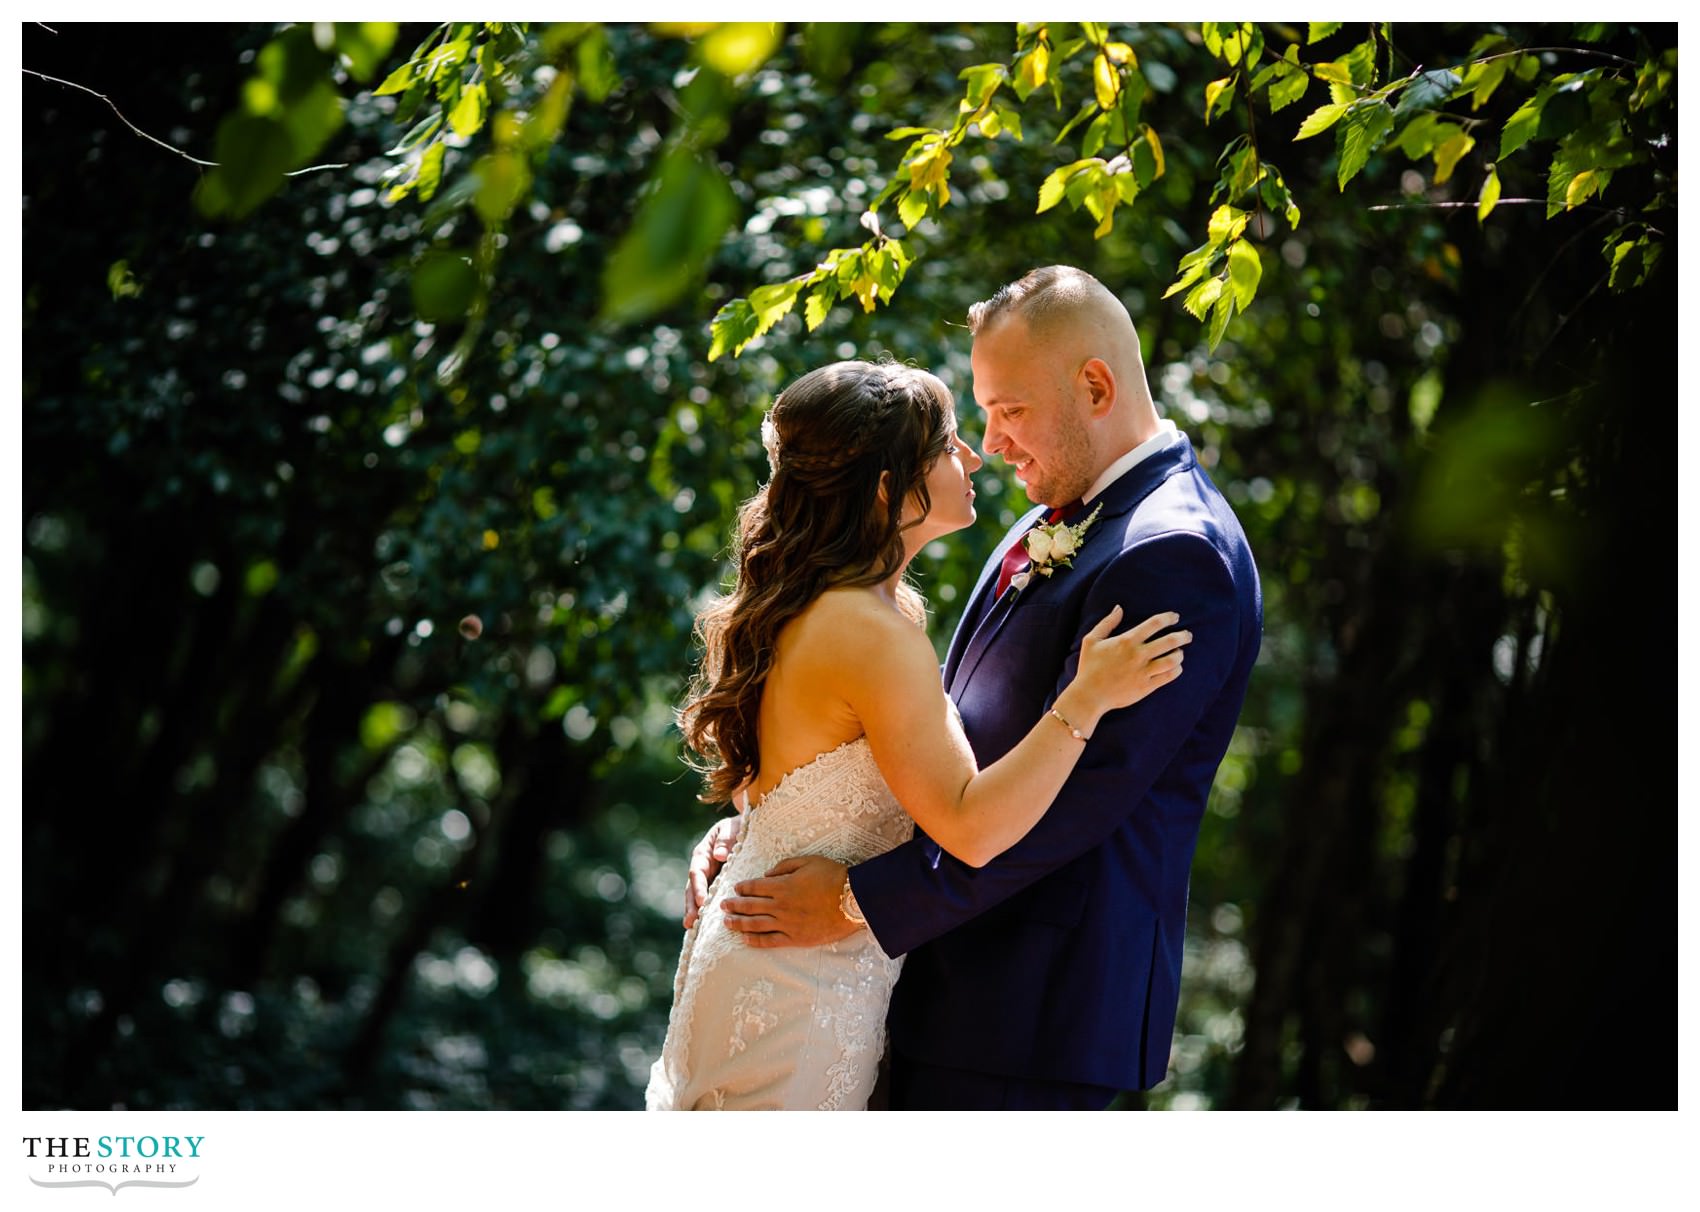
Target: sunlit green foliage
{"points": [[362, 533]]}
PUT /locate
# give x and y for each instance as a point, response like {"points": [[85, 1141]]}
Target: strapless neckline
{"points": [[827, 758]]}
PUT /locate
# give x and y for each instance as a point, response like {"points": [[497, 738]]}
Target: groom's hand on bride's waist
{"points": [[796, 904]]}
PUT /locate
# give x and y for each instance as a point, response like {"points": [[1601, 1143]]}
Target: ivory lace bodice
{"points": [[786, 1027]]}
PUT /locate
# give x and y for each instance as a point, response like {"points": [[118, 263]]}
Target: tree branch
{"points": [[144, 134]]}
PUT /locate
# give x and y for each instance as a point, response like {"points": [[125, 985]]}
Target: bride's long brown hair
{"points": [[817, 523]]}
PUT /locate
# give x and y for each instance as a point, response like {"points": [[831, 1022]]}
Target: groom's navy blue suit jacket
{"points": [[1060, 960]]}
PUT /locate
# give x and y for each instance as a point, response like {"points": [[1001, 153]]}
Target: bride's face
{"points": [[951, 489]]}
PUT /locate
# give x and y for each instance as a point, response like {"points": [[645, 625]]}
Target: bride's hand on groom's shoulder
{"points": [[1120, 670], [706, 860]]}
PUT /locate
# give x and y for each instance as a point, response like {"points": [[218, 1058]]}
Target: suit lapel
{"points": [[980, 603], [988, 629]]}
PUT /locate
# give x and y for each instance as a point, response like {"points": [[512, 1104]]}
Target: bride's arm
{"points": [[891, 682]]}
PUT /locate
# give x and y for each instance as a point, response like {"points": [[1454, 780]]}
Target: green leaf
{"points": [[1427, 91], [1559, 178], [983, 80], [1204, 254], [1189, 275], [1084, 183], [1360, 62], [364, 44], [775, 297], [819, 303], [1482, 78], [1202, 296], [1244, 173], [1086, 111], [1145, 166], [546, 117], [398, 80], [503, 179], [458, 195], [1289, 86], [678, 227], [739, 46], [1245, 271], [444, 286], [1320, 30], [430, 170], [912, 207], [1008, 119], [1320, 120], [597, 75], [1096, 134], [1032, 70], [467, 116], [1277, 197], [260, 579], [1226, 224], [910, 132], [1490, 194], [1055, 186], [1418, 137], [1360, 134], [1219, 319], [1218, 96], [733, 327], [312, 119], [426, 128], [1448, 153], [253, 154], [773, 302], [1581, 187], [1521, 126], [121, 282]]}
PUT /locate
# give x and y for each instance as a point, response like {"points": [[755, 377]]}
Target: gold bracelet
{"points": [[1072, 730]]}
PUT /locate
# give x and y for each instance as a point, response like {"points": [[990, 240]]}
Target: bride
{"points": [[818, 710]]}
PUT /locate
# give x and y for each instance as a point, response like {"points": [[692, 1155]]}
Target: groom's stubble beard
{"points": [[1070, 468]]}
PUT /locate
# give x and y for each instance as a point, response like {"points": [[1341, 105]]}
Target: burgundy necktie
{"points": [[1015, 559]]}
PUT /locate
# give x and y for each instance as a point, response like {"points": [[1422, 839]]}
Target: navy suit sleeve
{"points": [[917, 892]]}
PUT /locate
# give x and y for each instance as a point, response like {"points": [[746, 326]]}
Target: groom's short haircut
{"points": [[1044, 297]]}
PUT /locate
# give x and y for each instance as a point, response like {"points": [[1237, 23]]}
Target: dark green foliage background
{"points": [[293, 839]]}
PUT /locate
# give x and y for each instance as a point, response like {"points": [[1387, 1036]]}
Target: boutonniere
{"points": [[1052, 547]]}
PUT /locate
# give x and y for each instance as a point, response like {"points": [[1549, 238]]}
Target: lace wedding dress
{"points": [[786, 1027]]}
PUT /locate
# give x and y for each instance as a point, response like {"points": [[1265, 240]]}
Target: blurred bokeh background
{"points": [[362, 536]]}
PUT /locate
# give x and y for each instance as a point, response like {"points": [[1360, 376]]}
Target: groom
{"points": [[1049, 978]]}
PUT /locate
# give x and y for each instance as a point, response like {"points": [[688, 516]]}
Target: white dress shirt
{"points": [[1166, 436]]}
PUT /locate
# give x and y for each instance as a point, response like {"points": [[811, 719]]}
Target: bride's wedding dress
{"points": [[786, 1027]]}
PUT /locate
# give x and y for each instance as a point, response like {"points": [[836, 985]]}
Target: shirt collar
{"points": [[1165, 436]]}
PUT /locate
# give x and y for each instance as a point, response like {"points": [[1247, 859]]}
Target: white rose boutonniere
{"points": [[1052, 547]]}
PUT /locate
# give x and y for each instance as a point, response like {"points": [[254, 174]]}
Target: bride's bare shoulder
{"points": [[850, 623]]}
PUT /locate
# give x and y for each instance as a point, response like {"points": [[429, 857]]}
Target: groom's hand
{"points": [[794, 905]]}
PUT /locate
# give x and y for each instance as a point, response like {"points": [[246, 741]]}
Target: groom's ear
{"points": [[1099, 382]]}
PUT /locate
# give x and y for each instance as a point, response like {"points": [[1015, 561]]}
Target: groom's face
{"points": [[1035, 418]]}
